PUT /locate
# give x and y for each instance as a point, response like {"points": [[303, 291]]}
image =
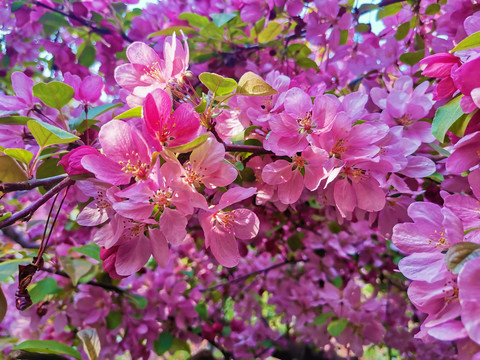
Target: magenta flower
{"points": [[206, 166], [169, 129], [469, 295], [22, 85], [87, 91], [441, 66], [222, 227], [147, 71], [125, 155], [71, 162], [465, 154], [466, 79]]}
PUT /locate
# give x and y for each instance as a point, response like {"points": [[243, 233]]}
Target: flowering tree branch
{"points": [[27, 212], [31, 184], [258, 272], [97, 30], [247, 148]]}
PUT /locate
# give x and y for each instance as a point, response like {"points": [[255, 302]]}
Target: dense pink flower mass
{"points": [[240, 179]]}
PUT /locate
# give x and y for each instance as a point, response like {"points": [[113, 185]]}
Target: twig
{"points": [[258, 272], [247, 148], [105, 286], [27, 212], [31, 184], [15, 236], [98, 30]]}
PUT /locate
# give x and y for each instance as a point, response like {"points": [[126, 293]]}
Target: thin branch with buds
{"points": [[258, 272], [31, 184], [27, 212]]}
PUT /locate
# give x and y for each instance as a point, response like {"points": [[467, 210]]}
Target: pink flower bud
{"points": [[72, 161]]}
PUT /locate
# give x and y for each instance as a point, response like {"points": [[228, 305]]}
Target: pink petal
{"points": [[289, 192], [370, 196], [141, 53], [105, 169], [344, 196], [159, 246], [184, 124], [91, 88], [278, 172], [132, 255], [172, 224], [234, 195], [246, 224], [423, 266], [224, 247], [22, 85]]}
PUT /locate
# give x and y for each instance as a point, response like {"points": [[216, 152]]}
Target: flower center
{"points": [[438, 238], [405, 120], [134, 165], [154, 71], [193, 177], [224, 218], [340, 147]]}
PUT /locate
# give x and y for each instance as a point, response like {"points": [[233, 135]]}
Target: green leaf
{"points": [[200, 108], [131, 113], [52, 21], [14, 120], [49, 168], [114, 319], [91, 343], [250, 84], [42, 288], [16, 5], [272, 30], [361, 28], [10, 267], [458, 255], [75, 268], [55, 94], [163, 343], [10, 171], [190, 146], [21, 155], [432, 9], [336, 327], [3, 305], [389, 10], [195, 20], [91, 250], [47, 134], [201, 309], [306, 63], [48, 347], [295, 241], [412, 58], [402, 31], [469, 42], [173, 29], [217, 84], [459, 126], [137, 301], [445, 117], [87, 58], [322, 318], [222, 18]]}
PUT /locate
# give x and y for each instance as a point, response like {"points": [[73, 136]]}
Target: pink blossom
{"points": [[87, 91], [147, 71], [23, 99], [469, 296], [466, 80], [165, 128], [71, 162], [222, 227], [125, 155]]}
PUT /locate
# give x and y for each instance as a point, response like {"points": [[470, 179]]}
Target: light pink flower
{"points": [[23, 99], [87, 90], [222, 227]]}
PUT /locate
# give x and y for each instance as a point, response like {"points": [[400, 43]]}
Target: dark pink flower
{"points": [[87, 91], [71, 162]]}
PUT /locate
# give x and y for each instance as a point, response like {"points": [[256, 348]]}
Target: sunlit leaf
{"points": [[469, 42], [91, 343], [218, 84], [55, 94], [190, 146], [47, 134], [48, 347], [10, 171], [250, 84], [445, 117]]}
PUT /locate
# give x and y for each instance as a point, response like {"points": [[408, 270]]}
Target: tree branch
{"points": [[258, 272], [31, 184], [98, 30], [247, 148], [15, 236], [27, 212]]}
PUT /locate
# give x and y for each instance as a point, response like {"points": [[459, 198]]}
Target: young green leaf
{"points": [[469, 42], [190, 146], [163, 343], [217, 84], [22, 155], [131, 113], [47, 134], [10, 171], [48, 347], [54, 94], [445, 117], [42, 288], [270, 32], [250, 84], [336, 327], [14, 120]]}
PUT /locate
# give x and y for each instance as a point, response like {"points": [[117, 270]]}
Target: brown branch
{"points": [[258, 272], [105, 286], [97, 30], [17, 237], [247, 148], [31, 184], [26, 213]]}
